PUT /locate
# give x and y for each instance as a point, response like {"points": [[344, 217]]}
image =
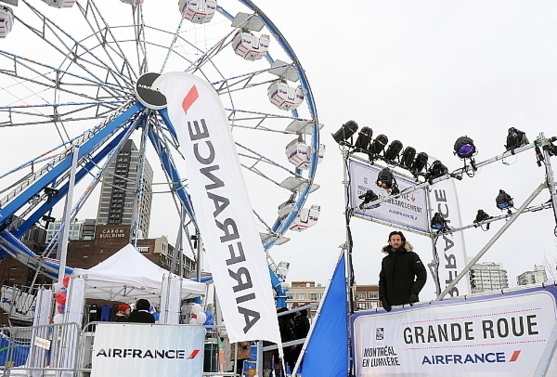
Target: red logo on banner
{"points": [[515, 355], [190, 98], [193, 354]]}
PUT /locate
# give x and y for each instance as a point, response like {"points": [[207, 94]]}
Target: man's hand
{"points": [[413, 298]]}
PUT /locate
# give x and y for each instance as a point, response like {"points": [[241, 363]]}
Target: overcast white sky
{"points": [[425, 73]]}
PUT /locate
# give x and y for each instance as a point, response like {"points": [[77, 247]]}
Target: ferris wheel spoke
{"points": [[29, 118], [172, 45], [47, 78], [106, 38], [258, 158], [207, 55], [74, 51], [139, 29]]}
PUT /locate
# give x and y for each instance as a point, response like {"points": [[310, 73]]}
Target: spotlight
{"points": [[378, 144], [50, 192], [436, 170], [515, 139], [419, 163], [5, 224], [48, 219], [550, 147], [393, 150], [386, 180], [464, 147], [504, 200], [438, 222], [368, 197], [364, 137], [345, 132], [482, 216], [407, 157]]}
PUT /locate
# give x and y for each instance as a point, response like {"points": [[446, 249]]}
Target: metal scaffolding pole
{"points": [[492, 241]]}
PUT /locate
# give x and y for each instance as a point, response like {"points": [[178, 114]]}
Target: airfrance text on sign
{"points": [[494, 336], [222, 209], [238, 271]]}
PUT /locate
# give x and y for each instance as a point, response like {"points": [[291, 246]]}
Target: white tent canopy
{"points": [[127, 275]]}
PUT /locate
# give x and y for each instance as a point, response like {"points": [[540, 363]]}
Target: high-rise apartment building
{"points": [[537, 276], [488, 276], [126, 191]]}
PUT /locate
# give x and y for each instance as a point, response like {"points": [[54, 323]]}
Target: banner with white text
{"points": [[222, 207], [122, 349], [409, 210], [450, 247], [509, 334]]}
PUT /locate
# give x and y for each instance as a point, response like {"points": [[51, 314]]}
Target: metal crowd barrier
{"points": [[36, 351]]}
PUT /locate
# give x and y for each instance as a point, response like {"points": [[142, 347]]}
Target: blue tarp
{"points": [[327, 350], [13, 351]]}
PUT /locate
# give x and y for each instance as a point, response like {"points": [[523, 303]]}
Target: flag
{"points": [[222, 208], [325, 353]]}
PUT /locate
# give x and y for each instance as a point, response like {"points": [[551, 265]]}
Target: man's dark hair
{"points": [[142, 304], [397, 233]]}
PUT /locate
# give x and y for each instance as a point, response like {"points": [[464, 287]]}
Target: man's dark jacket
{"points": [[141, 316], [402, 273]]}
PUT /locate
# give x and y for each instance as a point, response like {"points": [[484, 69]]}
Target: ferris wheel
{"points": [[73, 72]]}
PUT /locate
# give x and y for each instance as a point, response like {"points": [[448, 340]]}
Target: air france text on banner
{"points": [[222, 207], [408, 210], [143, 350], [497, 335]]}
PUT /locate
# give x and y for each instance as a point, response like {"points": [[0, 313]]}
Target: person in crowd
{"points": [[301, 329], [402, 275], [240, 352], [141, 313], [286, 328], [122, 314]]}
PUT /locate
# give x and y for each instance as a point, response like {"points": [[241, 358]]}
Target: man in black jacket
{"points": [[402, 275], [141, 313]]}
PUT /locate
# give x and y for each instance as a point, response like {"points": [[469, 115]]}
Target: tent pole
{"points": [[63, 241]]}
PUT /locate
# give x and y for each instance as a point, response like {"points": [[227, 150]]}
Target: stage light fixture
{"points": [[436, 170], [550, 147], [50, 192], [419, 163], [378, 144], [407, 157], [386, 180], [345, 132], [48, 219], [368, 197], [504, 200], [464, 147], [393, 150], [515, 139], [438, 222], [364, 138], [5, 224], [482, 216]]}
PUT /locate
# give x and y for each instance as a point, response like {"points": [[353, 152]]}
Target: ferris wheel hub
{"points": [[148, 96]]}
